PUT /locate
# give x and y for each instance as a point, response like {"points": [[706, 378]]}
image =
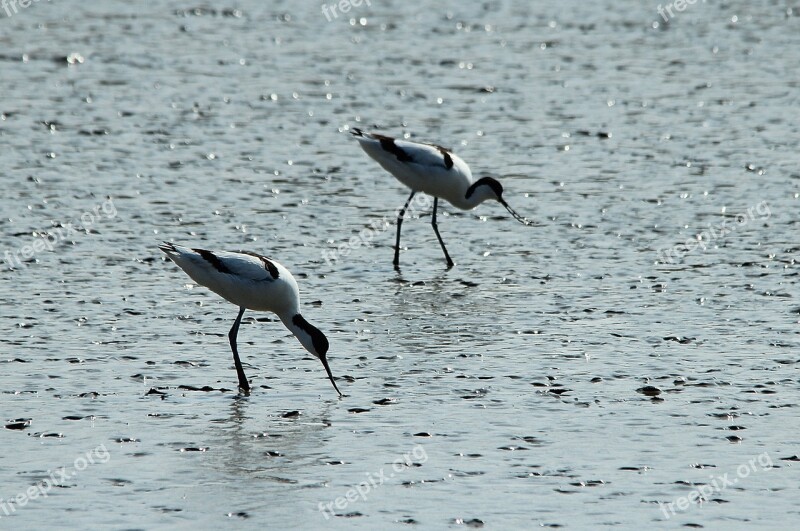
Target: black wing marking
{"points": [[212, 259], [388, 145], [448, 160], [268, 264]]}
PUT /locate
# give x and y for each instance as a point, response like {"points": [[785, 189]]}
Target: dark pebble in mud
{"points": [[205, 388], [474, 523], [240, 514], [266, 435], [194, 449], [529, 439], [291, 414], [354, 514], [101, 132], [357, 410], [126, 440], [791, 458], [734, 438], [335, 462], [589, 483], [18, 424], [725, 416], [272, 453], [422, 434], [51, 435], [154, 391], [649, 390], [385, 401], [681, 340]]}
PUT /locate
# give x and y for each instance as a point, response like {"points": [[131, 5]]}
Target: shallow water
{"points": [[566, 375]]}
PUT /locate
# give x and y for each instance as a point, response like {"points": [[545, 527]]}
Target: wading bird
{"points": [[252, 282], [433, 170]]}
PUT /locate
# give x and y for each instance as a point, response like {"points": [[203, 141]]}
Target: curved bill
{"points": [[324, 361], [516, 216]]}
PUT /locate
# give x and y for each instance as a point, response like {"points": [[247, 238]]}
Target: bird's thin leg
{"points": [[399, 224], [244, 385], [436, 230]]}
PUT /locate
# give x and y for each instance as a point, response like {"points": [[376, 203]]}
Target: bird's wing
{"points": [[405, 151], [429, 155], [247, 266]]}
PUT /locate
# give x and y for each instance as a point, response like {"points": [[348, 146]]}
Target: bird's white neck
{"points": [[308, 335]]}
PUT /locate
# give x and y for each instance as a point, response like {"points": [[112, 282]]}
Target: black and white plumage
{"points": [[433, 170], [252, 282]]}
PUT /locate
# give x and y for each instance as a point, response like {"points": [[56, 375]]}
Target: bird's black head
{"points": [[318, 340], [489, 182], [318, 345], [489, 188]]}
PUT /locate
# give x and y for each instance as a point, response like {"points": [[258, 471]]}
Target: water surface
{"points": [[561, 375]]}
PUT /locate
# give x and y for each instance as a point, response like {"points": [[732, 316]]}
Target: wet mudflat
{"points": [[638, 347]]}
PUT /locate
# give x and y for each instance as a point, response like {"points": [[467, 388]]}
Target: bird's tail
{"points": [[355, 131], [177, 252], [169, 248]]}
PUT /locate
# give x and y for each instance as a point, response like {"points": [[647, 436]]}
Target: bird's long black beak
{"points": [[516, 216], [324, 361]]}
